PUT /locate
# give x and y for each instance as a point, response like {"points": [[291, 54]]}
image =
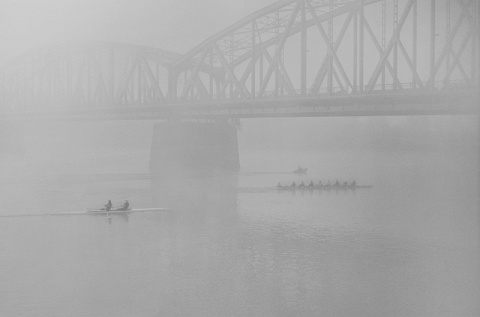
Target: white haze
{"points": [[408, 247], [176, 25]]}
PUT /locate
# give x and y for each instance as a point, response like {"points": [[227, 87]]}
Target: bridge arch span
{"points": [[314, 47], [291, 50]]}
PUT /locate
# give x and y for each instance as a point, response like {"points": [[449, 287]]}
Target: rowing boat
{"points": [[120, 211], [92, 212], [323, 187], [301, 170]]}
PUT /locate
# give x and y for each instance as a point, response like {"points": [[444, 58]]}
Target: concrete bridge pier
{"points": [[194, 149]]}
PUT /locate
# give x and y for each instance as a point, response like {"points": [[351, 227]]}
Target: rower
{"points": [[310, 184], [293, 184], [125, 206], [345, 184], [302, 184], [337, 183], [329, 183], [108, 206], [353, 183]]}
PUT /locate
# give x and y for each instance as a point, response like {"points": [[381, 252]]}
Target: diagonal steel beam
{"points": [[390, 46], [79, 83], [194, 73], [279, 49], [447, 48], [467, 12], [331, 50], [201, 89], [456, 61], [380, 50], [410, 64], [322, 72], [128, 73], [337, 79], [241, 88], [286, 81], [102, 87], [250, 69], [247, 72], [153, 79]]}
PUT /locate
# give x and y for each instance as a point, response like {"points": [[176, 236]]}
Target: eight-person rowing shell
{"points": [[328, 185]]}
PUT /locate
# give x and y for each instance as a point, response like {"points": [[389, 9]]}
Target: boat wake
{"points": [[89, 212]]}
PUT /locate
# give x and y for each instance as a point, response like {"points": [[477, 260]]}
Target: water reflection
{"points": [[389, 251], [200, 241], [123, 217], [197, 194], [222, 257]]}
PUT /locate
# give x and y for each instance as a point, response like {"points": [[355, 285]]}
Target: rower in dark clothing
{"points": [[293, 184], [337, 183], [353, 183], [302, 184], [345, 184], [125, 206], [108, 206], [310, 184]]}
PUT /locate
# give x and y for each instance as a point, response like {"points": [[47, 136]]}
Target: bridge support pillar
{"points": [[194, 148]]}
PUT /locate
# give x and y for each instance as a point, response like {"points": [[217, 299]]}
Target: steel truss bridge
{"points": [[291, 58]]}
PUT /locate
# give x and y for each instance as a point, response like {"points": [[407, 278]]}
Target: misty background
{"points": [[408, 247], [175, 25], [178, 26]]}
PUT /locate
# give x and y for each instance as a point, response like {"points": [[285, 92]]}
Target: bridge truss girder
{"points": [[86, 75], [290, 49], [315, 47]]}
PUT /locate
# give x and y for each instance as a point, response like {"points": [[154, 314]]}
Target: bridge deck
{"points": [[392, 104]]}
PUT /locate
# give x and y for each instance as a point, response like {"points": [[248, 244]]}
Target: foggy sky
{"points": [[176, 25]]}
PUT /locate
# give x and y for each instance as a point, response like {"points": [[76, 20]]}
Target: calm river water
{"points": [[407, 247]]}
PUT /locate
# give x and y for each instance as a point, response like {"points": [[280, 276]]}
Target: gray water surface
{"points": [[406, 247]]}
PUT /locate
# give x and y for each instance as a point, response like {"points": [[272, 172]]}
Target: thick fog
{"points": [[175, 25], [179, 26], [400, 238]]}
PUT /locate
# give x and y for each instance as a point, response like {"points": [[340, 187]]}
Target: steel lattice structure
{"points": [[94, 74], [252, 54], [326, 52]]}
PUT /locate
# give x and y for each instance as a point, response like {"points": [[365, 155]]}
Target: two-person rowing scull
{"points": [[108, 206]]}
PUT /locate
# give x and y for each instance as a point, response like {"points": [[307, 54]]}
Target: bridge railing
{"points": [[340, 91]]}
